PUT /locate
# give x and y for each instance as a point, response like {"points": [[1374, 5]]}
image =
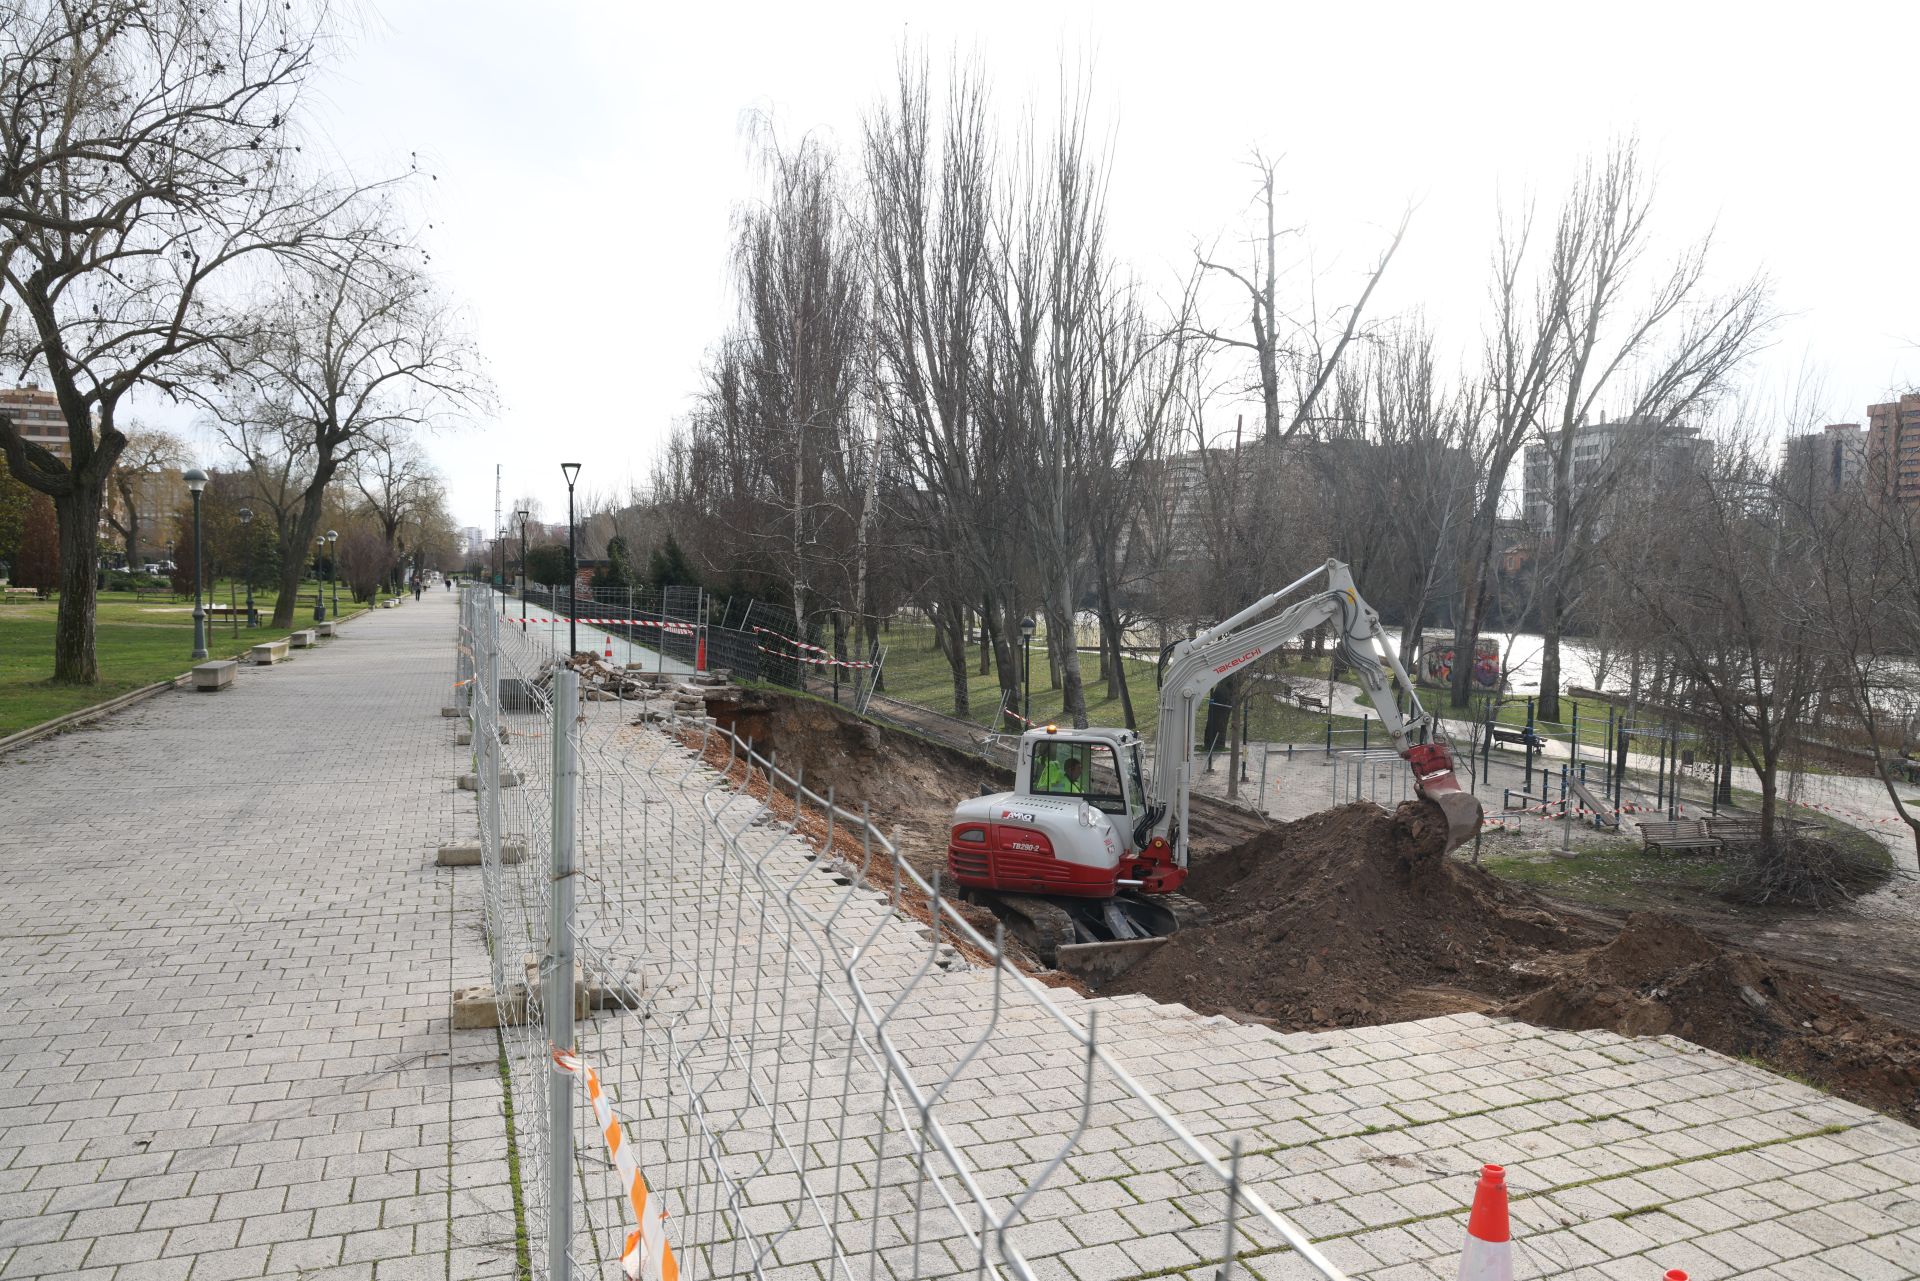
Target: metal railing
{"points": [[813, 1047]]}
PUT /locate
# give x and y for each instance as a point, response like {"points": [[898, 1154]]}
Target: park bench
{"points": [[216, 675], [153, 593], [324, 629], [1516, 738], [1735, 831], [302, 639], [269, 652], [1310, 702], [1680, 834]]}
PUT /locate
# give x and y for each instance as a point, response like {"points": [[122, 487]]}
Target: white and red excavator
{"points": [[1085, 857]]}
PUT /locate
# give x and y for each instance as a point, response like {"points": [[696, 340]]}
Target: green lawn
{"points": [[137, 643], [918, 673]]}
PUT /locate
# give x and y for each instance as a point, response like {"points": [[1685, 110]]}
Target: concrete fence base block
{"points": [[463, 738], [449, 712], [469, 855], [471, 782], [477, 1007]]}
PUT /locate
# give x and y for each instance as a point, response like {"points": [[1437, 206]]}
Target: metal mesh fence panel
{"points": [[821, 1062]]}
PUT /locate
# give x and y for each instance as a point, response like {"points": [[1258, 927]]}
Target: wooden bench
{"points": [[1517, 738], [1681, 834], [152, 593], [216, 675], [268, 653], [1735, 831], [1310, 703]]}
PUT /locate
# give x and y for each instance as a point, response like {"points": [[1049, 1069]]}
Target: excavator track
{"points": [[1041, 926], [1188, 914]]}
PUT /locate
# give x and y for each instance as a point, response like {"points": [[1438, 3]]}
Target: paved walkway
{"points": [[225, 957]]}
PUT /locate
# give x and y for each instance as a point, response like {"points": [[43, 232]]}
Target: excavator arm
{"points": [[1193, 667]]}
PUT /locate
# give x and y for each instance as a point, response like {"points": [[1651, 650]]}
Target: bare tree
{"points": [[1678, 351], [146, 166], [143, 464], [399, 486], [931, 186], [1285, 344], [353, 348]]}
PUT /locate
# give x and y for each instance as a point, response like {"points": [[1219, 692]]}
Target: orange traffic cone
{"points": [[609, 649], [1489, 1252]]}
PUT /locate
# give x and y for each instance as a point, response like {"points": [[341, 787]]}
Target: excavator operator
{"points": [[1063, 775]]}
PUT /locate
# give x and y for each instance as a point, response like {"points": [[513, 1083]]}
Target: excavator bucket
{"points": [[1433, 776]]}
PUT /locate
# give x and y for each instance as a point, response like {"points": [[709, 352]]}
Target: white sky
{"points": [[588, 157]]}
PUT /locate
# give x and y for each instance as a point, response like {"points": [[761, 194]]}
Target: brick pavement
{"points": [[224, 962]]}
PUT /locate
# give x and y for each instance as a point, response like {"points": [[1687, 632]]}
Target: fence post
{"points": [[1265, 749], [1329, 733], [559, 996], [488, 762], [1365, 722]]}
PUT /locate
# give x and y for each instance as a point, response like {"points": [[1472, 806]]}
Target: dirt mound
{"points": [[1661, 976], [1349, 917]]}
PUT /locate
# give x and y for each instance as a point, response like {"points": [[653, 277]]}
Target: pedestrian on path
{"points": [[416, 587]]}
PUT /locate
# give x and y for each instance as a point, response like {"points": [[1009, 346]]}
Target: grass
{"points": [[918, 673], [136, 643], [1611, 871]]}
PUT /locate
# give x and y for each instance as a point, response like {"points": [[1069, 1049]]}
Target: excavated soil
{"points": [[1661, 976], [1350, 917], [1355, 916]]}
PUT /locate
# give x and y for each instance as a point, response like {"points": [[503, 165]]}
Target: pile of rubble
{"points": [[657, 696]]}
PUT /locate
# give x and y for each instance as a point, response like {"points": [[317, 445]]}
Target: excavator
{"points": [[1084, 859]]}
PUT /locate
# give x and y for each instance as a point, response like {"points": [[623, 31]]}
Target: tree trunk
{"points": [[986, 639], [293, 552], [78, 515], [1552, 621], [1073, 695], [1466, 641], [952, 630], [1236, 730]]}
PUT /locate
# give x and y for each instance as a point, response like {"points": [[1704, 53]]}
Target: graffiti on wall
{"points": [[1437, 660]]}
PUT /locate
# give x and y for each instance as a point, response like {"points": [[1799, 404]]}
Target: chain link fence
{"points": [[817, 1059]]}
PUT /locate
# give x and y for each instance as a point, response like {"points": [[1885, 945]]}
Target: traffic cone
{"points": [[1489, 1252], [609, 649], [1674, 1274]]}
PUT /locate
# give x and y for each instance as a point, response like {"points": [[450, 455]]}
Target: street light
{"points": [[500, 546], [246, 532], [1026, 668], [333, 580], [571, 471], [196, 482], [319, 587], [523, 514]]}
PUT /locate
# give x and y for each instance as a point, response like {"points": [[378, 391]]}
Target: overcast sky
{"points": [[588, 157]]}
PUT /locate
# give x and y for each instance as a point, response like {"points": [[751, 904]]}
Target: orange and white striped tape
{"points": [[647, 1253]]}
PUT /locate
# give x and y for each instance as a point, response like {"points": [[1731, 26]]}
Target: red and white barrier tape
{"points": [[686, 629], [647, 1253], [828, 661]]}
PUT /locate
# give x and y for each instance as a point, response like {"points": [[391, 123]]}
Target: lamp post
{"points": [[1026, 669], [197, 482], [571, 471], [500, 545], [522, 515], [333, 579], [246, 532], [319, 587]]}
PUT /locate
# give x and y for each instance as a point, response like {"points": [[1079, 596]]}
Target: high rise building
{"points": [[1825, 464], [37, 414], [1893, 448], [1637, 452]]}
